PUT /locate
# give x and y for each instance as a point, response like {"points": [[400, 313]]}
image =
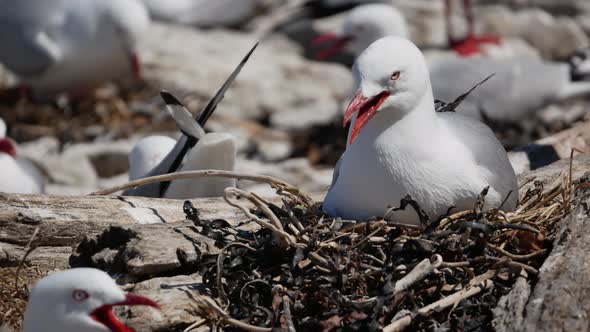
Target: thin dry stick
{"points": [[514, 256], [287, 238], [195, 325], [30, 249], [366, 238], [418, 273], [220, 268], [287, 314], [208, 307], [203, 173], [475, 286]]}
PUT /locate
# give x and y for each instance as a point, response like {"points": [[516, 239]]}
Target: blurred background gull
{"points": [[80, 79]]}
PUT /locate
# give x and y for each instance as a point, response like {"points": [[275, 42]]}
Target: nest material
{"points": [[304, 271], [15, 285]]}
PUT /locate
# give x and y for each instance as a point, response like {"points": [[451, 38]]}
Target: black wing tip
{"points": [[250, 52], [169, 99]]}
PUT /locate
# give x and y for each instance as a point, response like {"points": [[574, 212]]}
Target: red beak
{"points": [[135, 65], [366, 108], [105, 315], [131, 299], [7, 147], [329, 44]]}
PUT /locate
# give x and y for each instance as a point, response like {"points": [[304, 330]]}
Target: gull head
{"points": [[129, 21], [79, 299], [364, 25], [391, 76]]}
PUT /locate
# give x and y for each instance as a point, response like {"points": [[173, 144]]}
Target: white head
{"points": [[364, 25], [79, 299], [129, 20], [391, 76]]}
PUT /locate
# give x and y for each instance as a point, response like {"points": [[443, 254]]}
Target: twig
{"points": [[475, 286], [516, 257], [220, 267], [195, 325], [366, 238], [276, 227], [207, 307], [418, 273], [30, 249], [287, 314], [204, 173]]}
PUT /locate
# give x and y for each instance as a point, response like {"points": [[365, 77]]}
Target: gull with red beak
{"points": [[364, 25], [399, 145], [70, 46], [79, 299]]}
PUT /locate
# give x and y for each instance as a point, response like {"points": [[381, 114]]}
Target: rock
{"points": [[276, 80], [558, 301], [145, 252], [171, 294], [297, 172], [426, 21], [550, 149], [562, 7], [254, 139], [555, 38]]}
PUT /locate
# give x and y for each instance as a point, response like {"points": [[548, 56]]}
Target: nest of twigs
{"points": [[15, 283], [304, 271]]}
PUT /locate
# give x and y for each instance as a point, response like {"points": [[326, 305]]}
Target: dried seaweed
{"points": [[305, 271]]}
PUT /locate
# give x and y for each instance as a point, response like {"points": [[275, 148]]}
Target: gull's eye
{"points": [[395, 75], [80, 295]]}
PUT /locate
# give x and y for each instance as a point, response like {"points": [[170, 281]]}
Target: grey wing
{"points": [[486, 149], [336, 171], [24, 52]]}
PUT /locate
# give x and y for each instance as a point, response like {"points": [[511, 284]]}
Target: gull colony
{"points": [[398, 144], [519, 87]]}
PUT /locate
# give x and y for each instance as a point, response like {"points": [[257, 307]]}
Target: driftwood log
{"points": [[151, 244]]}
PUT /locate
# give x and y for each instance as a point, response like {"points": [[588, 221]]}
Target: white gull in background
{"points": [[195, 150], [57, 46], [521, 84], [362, 26], [398, 145], [76, 300], [204, 13], [17, 175]]}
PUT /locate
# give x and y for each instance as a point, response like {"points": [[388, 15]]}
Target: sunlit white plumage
{"points": [[147, 153], [59, 46], [439, 159], [155, 155], [17, 175], [76, 300]]}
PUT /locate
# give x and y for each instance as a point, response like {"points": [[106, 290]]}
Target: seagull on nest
{"points": [[76, 300], [399, 145], [71, 46]]}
